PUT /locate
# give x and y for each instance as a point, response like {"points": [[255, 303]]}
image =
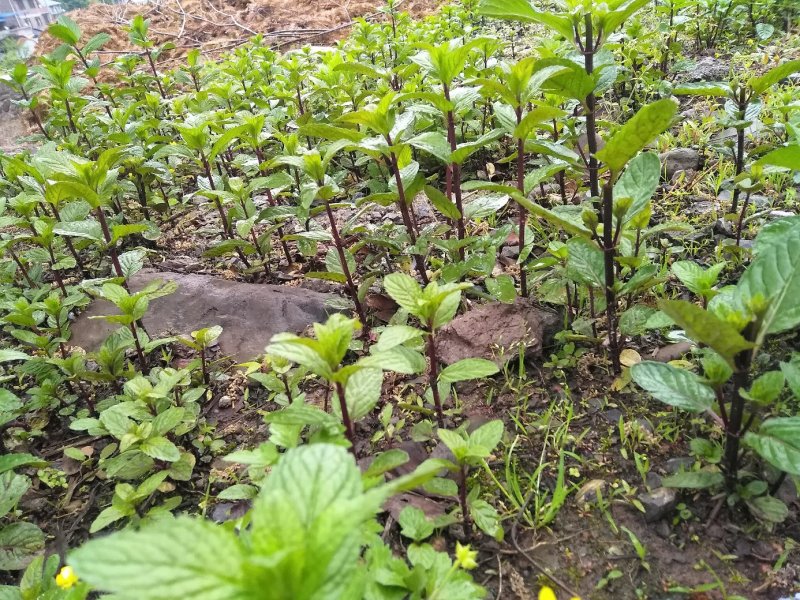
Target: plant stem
{"points": [[141, 192], [739, 148], [139, 351], [734, 430], [741, 218], [523, 214], [348, 424], [36, 118], [591, 102], [271, 199], [56, 274], [462, 498], [609, 252], [403, 206], [433, 375], [455, 170], [69, 116], [351, 287], [226, 228], [112, 251], [155, 74], [732, 434], [22, 268], [204, 366], [776, 485]]}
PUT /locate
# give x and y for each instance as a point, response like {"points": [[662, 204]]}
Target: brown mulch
{"points": [[218, 25]]}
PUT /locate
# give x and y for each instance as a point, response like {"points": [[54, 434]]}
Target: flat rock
{"points": [[702, 208], [495, 331], [659, 503], [679, 159], [249, 314], [709, 68]]}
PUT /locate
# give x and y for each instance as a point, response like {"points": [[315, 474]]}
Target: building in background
{"points": [[25, 20]]}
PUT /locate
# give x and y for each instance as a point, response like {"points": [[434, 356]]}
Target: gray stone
{"points": [[510, 252], [679, 159], [702, 207], [682, 176], [709, 68], [652, 480], [662, 529], [723, 227], [612, 415], [728, 134], [249, 314], [658, 503], [495, 331], [679, 463]]}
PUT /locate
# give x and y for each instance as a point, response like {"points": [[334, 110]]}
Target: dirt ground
{"points": [[12, 128], [219, 25]]}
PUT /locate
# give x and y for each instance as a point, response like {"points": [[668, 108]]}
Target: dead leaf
{"points": [[629, 357]]}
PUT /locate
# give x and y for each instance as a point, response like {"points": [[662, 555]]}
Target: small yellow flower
{"points": [[547, 593], [66, 578], [465, 557]]}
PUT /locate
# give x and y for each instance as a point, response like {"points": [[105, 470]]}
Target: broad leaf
{"points": [[632, 137], [160, 448], [585, 263], [705, 327], [414, 524], [787, 157], [442, 203], [695, 480], [308, 521], [362, 392], [774, 277], [673, 386], [485, 439], [183, 558], [521, 10], [702, 88], [760, 84], [404, 290], [639, 181], [11, 355], [19, 543], [22, 459], [468, 368], [85, 229], [778, 442], [12, 487]]}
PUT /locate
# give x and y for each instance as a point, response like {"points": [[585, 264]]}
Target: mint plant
{"points": [[20, 540], [132, 308], [734, 329], [470, 450], [306, 535], [357, 386], [742, 107], [434, 306], [200, 341]]}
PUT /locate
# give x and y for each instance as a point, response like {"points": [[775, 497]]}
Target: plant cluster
{"points": [[479, 149]]}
